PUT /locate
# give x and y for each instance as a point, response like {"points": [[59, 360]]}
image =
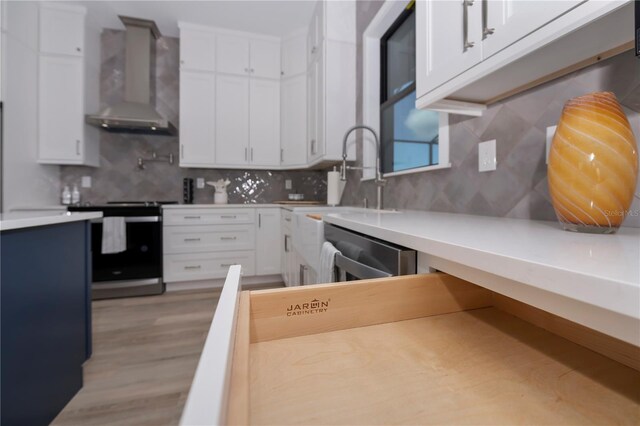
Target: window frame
{"points": [[379, 25]]}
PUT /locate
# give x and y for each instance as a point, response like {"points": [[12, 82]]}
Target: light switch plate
{"points": [[199, 183], [287, 184], [551, 130], [487, 156], [85, 182]]}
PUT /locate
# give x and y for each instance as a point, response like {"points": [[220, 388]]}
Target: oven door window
{"points": [[141, 259]]}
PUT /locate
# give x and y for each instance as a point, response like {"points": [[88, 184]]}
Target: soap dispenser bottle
{"points": [[75, 195], [66, 196]]}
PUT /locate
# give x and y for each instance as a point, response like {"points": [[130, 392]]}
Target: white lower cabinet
{"points": [[205, 266], [202, 242], [191, 239], [286, 260], [268, 249]]}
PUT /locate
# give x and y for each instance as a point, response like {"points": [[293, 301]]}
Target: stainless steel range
{"points": [[137, 270]]}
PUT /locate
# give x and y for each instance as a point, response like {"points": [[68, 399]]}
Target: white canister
{"points": [[220, 197]]}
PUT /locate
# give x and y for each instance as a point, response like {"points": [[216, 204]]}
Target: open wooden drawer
{"points": [[423, 349]]}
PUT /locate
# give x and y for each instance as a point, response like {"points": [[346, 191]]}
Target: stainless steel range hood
{"points": [[136, 114]]}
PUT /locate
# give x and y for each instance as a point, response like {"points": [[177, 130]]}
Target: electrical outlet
{"points": [[85, 182], [551, 130], [287, 184], [199, 183], [487, 156]]}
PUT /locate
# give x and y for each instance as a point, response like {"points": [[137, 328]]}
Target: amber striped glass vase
{"points": [[593, 164]]}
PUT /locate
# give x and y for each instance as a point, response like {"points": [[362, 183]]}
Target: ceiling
{"points": [[277, 18]]}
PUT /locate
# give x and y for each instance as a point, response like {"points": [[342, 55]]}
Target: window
{"points": [[409, 136]]}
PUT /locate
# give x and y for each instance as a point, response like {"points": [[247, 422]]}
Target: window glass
{"points": [[401, 57], [409, 136]]}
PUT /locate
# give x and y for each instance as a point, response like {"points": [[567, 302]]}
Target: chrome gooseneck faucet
{"points": [[343, 169]]}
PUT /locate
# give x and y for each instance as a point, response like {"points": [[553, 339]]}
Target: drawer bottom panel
{"points": [[476, 367], [204, 266]]}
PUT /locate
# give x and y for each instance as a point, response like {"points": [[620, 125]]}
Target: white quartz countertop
{"points": [[29, 219], [602, 270]]}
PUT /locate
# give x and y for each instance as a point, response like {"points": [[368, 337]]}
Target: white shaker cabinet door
{"points": [[197, 50], [61, 109], [294, 121], [448, 40], [316, 107], [312, 118], [232, 55], [62, 30], [294, 56], [264, 122], [232, 120], [268, 242], [197, 119], [265, 59], [507, 21]]}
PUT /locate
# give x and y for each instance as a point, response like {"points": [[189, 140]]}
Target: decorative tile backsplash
{"points": [[119, 178], [518, 187]]}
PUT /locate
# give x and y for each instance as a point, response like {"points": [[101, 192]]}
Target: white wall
{"points": [[25, 183]]}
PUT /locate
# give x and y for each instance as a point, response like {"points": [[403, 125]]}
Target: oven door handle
{"points": [[357, 269], [134, 219]]}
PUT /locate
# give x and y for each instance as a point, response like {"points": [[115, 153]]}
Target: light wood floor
{"points": [[145, 352]]}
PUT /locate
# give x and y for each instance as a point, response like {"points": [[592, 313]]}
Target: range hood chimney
{"points": [[136, 114]]}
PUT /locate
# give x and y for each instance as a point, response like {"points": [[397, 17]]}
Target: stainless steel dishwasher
{"points": [[363, 257]]}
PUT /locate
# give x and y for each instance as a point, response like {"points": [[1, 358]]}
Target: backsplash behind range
{"points": [[119, 178]]}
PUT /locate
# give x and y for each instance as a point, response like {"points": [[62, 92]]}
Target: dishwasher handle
{"points": [[357, 269]]}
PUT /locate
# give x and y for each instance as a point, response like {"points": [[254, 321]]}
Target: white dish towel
{"points": [[327, 263], [114, 235]]}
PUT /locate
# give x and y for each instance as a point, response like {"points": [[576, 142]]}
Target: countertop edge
{"points": [[529, 272], [15, 221]]}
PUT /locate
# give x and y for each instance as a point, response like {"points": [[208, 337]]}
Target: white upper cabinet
{"points": [[60, 109], [449, 37], [232, 54], [264, 122], [316, 32], [506, 21], [294, 56], [316, 148], [68, 86], [264, 59], [293, 117], [197, 48], [331, 96], [242, 55], [232, 120], [197, 118], [62, 29], [477, 52]]}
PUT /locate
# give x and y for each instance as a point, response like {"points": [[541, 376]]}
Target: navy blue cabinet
{"points": [[45, 319]]}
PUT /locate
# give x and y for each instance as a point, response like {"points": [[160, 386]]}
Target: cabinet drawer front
{"points": [[204, 266], [212, 216], [196, 239]]}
